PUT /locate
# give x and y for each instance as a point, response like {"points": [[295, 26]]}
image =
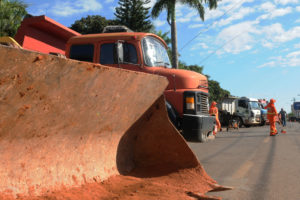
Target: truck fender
{"points": [[173, 115]]}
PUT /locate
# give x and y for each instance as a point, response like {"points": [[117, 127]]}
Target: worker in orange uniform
{"points": [[271, 114], [213, 110]]}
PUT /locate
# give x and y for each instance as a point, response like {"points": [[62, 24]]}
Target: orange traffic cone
{"points": [[282, 129]]}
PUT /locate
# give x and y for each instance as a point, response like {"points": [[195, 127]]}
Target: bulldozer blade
{"points": [[65, 123]]}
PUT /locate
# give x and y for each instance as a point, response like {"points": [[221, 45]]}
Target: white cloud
{"points": [[244, 36], [281, 12], [228, 8], [268, 6], [67, 8], [297, 46], [158, 23], [268, 64], [267, 44], [188, 17], [293, 59], [284, 2], [200, 45], [290, 60], [273, 30], [109, 1], [228, 4], [294, 54], [238, 37], [236, 16], [272, 13], [212, 14], [276, 33], [195, 25], [41, 10], [285, 50], [298, 8]]}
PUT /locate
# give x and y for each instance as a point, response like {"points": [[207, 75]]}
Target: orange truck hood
{"points": [[183, 79]]}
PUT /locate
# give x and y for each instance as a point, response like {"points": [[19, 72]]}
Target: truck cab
{"points": [[249, 111], [263, 103], [187, 93]]}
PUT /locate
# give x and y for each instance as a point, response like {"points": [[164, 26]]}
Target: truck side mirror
{"points": [[120, 52]]}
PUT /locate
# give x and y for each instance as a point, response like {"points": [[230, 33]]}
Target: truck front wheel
{"points": [[203, 137], [239, 121]]}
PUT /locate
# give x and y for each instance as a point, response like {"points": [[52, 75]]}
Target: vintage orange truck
{"points": [[186, 95]]}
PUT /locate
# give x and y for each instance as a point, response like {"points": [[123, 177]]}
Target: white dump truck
{"points": [[245, 111]]}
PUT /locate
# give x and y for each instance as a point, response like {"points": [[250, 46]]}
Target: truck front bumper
{"points": [[253, 121], [195, 125]]}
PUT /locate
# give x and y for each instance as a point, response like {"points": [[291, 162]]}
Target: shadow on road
{"points": [[244, 136], [261, 188], [229, 146]]}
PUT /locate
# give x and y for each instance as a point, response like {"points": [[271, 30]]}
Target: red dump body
{"points": [[44, 35]]}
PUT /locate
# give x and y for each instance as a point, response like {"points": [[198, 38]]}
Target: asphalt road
{"points": [[258, 166]]}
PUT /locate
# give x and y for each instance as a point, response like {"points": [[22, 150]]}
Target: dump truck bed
{"points": [[228, 105]]}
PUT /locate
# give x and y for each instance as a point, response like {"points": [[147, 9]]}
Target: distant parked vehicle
{"points": [[296, 111], [262, 104], [245, 111]]}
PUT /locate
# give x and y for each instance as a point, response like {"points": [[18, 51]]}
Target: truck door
{"points": [[243, 109], [108, 56]]}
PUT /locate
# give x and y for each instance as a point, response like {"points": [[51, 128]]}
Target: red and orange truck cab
{"points": [[187, 93]]}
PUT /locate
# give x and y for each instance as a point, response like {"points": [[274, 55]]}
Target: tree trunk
{"points": [[174, 41]]}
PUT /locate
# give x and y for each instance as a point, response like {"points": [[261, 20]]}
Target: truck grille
{"points": [[202, 104]]}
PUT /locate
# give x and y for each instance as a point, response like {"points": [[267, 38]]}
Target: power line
{"points": [[202, 31], [238, 35], [225, 44]]}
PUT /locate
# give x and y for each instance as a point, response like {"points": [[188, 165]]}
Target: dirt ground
{"points": [[185, 184]]}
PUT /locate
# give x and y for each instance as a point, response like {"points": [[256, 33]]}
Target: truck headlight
{"points": [[190, 103]]}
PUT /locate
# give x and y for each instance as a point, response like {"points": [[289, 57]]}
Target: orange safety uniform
{"points": [[271, 115], [213, 110]]}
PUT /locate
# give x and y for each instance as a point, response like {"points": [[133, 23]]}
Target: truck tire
{"points": [[202, 137], [239, 121]]}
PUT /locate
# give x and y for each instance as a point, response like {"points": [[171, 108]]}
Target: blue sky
{"points": [[251, 47]]}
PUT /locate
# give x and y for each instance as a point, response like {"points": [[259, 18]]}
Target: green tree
{"points": [[170, 7], [134, 15], [91, 24], [12, 13], [216, 92], [163, 36], [195, 68]]}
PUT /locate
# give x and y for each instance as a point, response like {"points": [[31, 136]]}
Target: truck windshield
{"points": [[254, 105], [155, 54]]}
